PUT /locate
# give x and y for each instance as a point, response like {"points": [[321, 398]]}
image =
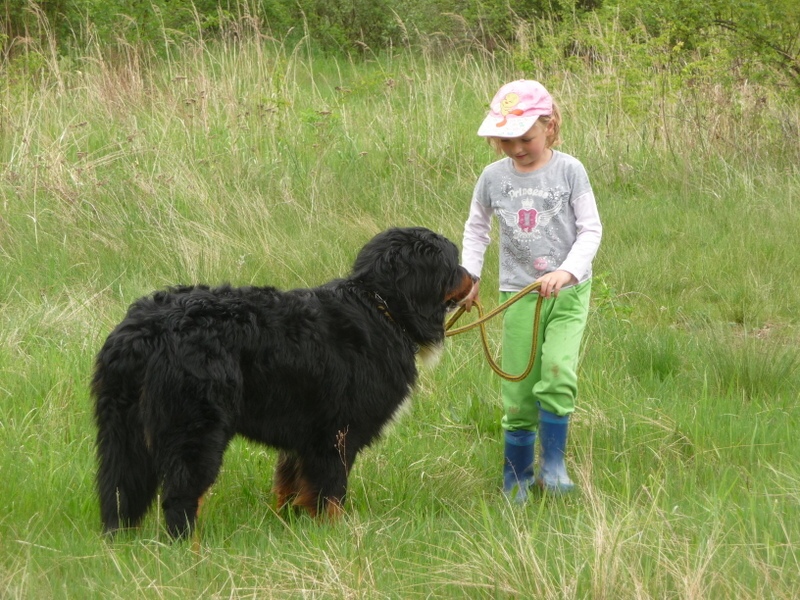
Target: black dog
{"points": [[315, 372]]}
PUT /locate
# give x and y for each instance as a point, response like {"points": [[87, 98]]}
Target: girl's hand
{"points": [[553, 282], [472, 296]]}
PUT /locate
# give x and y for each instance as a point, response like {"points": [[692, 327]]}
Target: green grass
{"points": [[253, 164]]}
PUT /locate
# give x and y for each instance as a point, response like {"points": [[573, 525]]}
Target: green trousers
{"points": [[553, 381]]}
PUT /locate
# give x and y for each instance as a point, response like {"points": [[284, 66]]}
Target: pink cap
{"points": [[515, 108]]}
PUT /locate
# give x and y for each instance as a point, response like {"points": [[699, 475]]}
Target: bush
{"points": [[757, 40]]}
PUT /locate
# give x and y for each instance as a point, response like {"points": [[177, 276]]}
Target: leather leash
{"points": [[481, 322]]}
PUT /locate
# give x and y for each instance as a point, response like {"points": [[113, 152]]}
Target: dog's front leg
{"points": [[322, 485]]}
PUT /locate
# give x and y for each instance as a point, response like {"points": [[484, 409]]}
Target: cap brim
{"points": [[510, 127]]}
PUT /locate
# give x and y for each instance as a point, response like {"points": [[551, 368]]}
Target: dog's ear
{"points": [[381, 258], [414, 270], [422, 306]]}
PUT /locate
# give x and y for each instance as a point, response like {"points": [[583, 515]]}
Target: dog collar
{"points": [[383, 306]]}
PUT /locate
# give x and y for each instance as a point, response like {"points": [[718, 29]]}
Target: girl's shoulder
{"points": [[573, 171], [498, 165], [495, 169], [567, 159], [568, 164]]}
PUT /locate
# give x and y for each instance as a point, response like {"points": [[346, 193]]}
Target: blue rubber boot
{"points": [[552, 476], [518, 464]]}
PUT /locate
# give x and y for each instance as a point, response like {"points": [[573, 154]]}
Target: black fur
{"points": [[316, 373]]}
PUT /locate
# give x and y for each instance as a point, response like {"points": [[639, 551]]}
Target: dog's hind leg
{"points": [[189, 466]]}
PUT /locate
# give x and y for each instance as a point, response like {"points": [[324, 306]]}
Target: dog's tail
{"points": [[127, 476]]}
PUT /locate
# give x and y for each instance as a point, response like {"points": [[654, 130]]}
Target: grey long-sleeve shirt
{"points": [[548, 221]]}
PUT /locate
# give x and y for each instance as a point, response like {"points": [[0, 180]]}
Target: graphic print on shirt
{"points": [[525, 220]]}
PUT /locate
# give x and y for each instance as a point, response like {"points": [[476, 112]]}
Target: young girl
{"points": [[549, 232]]}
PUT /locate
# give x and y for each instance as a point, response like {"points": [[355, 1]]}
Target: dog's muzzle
{"points": [[463, 287]]}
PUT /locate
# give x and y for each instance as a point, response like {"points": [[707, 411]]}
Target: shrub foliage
{"points": [[758, 39]]}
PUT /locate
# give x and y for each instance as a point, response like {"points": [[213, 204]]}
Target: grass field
{"points": [[256, 164]]}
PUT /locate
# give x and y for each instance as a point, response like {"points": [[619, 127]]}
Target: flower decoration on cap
{"points": [[515, 108]]}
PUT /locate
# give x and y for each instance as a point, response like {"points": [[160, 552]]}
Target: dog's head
{"points": [[415, 272]]}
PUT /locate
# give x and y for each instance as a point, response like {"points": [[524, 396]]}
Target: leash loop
{"points": [[481, 322]]}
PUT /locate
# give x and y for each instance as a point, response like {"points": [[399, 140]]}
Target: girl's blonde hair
{"points": [[553, 138]]}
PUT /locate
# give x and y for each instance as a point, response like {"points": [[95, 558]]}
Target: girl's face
{"points": [[529, 151]]}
